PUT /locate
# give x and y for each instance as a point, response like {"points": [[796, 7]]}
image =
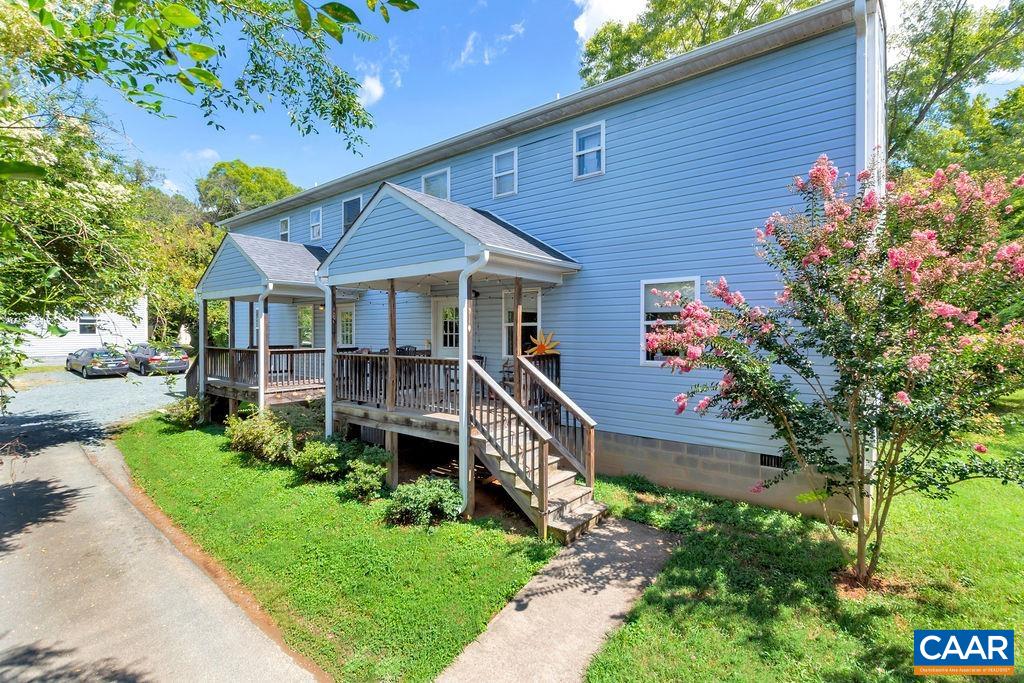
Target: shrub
{"points": [[261, 435], [188, 413], [305, 419], [427, 500], [375, 455], [364, 480], [318, 460]]}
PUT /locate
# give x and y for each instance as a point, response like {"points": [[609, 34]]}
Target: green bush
{"points": [[261, 435], [364, 480], [306, 420], [188, 413], [318, 460], [428, 500]]}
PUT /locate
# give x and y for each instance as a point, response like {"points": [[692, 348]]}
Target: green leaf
{"points": [[205, 77], [339, 12], [329, 25], [186, 83], [199, 52], [302, 12], [35, 5], [404, 5], [56, 330], [20, 170], [180, 16], [385, 14], [372, 5]]}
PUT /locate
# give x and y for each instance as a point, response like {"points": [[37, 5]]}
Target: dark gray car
{"points": [[150, 357], [97, 362]]}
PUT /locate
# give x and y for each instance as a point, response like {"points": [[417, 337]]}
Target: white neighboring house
{"points": [[88, 331]]}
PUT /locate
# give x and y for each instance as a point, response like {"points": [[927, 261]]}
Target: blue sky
{"points": [[432, 73]]}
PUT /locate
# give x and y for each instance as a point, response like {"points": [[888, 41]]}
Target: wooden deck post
{"points": [[391, 437], [330, 348], [252, 324], [517, 341], [264, 353]]}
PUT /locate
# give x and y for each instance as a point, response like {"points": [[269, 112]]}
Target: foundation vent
{"points": [[771, 461]]}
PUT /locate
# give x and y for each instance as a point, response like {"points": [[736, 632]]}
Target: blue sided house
{"points": [[412, 295]]}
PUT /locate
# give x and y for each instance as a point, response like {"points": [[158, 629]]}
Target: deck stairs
{"points": [[540, 448]]}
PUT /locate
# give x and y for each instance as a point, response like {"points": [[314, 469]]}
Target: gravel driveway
{"points": [[57, 407]]}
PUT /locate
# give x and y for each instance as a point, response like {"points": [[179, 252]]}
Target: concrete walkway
{"points": [[561, 618], [91, 590]]}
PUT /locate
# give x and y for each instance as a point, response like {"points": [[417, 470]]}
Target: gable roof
{"points": [[281, 261], [789, 30], [491, 231]]}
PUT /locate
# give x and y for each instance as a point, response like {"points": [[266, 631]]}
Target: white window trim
{"points": [[447, 170], [345, 308], [95, 323], [319, 234], [506, 328], [578, 153], [286, 232], [514, 172], [346, 200], [646, 285]]}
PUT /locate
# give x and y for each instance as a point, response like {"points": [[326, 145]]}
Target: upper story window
{"points": [[438, 183], [506, 172], [86, 324], [652, 308], [588, 151], [283, 230], [316, 223], [350, 209]]}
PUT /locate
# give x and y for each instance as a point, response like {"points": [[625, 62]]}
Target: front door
{"points": [[446, 327]]}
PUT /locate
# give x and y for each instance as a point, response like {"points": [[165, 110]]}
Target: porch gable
{"points": [[230, 269]]}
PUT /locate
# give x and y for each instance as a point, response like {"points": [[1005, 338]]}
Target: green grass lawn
{"points": [[749, 595], [363, 600]]}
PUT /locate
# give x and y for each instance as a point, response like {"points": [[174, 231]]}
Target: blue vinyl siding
{"points": [[690, 171], [230, 270], [394, 235], [412, 320]]}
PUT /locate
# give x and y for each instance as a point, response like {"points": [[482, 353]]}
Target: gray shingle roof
{"points": [[484, 226], [282, 261]]}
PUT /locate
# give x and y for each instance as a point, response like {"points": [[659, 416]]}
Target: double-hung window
{"points": [[653, 309], [437, 183], [316, 223], [505, 172], [346, 334], [588, 151], [283, 230], [350, 209], [86, 324], [531, 319]]}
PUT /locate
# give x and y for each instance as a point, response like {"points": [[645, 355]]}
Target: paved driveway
{"points": [[89, 588]]}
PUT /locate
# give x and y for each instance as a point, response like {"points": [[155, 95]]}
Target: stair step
{"points": [[567, 528], [555, 479]]}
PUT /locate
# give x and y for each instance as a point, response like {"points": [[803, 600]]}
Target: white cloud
{"points": [[205, 154], [371, 90], [170, 187], [466, 56], [397, 62], [594, 13], [255, 137], [1003, 77]]}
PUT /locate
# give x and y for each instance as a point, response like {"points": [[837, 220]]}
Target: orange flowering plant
{"points": [[892, 333]]}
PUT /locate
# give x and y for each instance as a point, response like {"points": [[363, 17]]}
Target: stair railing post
{"points": [[542, 498], [588, 440]]}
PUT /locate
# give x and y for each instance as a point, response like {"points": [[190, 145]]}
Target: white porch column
{"points": [[466, 458], [264, 349], [202, 348], [330, 327]]}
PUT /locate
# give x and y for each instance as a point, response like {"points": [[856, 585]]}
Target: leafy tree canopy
{"points": [[153, 50], [672, 27], [234, 186]]}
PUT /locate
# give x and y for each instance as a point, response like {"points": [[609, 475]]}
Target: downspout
{"points": [[328, 354], [464, 385], [264, 343]]}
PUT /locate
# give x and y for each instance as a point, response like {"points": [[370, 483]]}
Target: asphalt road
{"points": [[89, 588]]}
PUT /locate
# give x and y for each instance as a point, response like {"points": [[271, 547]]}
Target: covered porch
{"points": [[505, 409], [259, 363]]}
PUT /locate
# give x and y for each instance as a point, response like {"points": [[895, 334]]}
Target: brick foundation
{"points": [[724, 472]]}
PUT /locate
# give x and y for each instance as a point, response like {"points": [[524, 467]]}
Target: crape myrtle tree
{"points": [[902, 297]]}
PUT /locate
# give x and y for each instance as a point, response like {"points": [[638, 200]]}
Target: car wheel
{"points": [[85, 372], [144, 368], [67, 365]]}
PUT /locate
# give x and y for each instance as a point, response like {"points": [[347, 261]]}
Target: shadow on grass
{"points": [[757, 569]]}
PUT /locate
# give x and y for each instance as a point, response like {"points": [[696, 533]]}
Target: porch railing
{"points": [[571, 428], [361, 378], [421, 383], [288, 368]]}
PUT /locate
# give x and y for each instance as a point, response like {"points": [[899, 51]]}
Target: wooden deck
{"points": [[293, 374]]}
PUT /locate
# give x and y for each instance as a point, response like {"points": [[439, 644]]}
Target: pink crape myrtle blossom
{"points": [[980, 448], [894, 305]]}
